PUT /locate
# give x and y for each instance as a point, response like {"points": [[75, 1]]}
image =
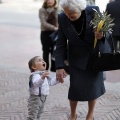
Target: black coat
{"points": [[79, 50], [113, 8]]}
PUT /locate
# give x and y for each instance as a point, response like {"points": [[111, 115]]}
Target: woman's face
{"points": [[50, 3], [72, 15]]}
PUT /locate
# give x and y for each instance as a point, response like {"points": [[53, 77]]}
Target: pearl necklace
{"points": [[81, 27]]}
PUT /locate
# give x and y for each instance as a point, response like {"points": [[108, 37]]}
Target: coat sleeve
{"points": [[107, 9], [52, 81], [61, 44], [37, 81]]}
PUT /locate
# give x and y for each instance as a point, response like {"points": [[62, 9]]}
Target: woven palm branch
{"points": [[108, 21], [102, 22]]}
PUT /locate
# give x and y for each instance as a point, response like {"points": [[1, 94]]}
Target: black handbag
{"points": [[54, 36], [106, 61]]}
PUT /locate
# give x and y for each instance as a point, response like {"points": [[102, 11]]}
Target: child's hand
{"points": [[45, 74]]}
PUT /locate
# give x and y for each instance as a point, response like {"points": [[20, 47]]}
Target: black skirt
{"points": [[85, 85]]}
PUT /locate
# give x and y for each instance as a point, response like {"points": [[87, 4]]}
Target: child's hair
{"points": [[31, 63]]}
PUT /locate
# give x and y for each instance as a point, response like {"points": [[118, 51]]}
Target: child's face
{"points": [[39, 64]]}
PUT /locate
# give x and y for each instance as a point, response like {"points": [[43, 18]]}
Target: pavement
{"points": [[18, 45]]}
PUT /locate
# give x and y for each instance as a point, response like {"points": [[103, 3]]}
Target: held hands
{"points": [[45, 74], [60, 74]]}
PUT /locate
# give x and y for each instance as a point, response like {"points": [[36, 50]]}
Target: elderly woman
{"points": [[76, 34]]}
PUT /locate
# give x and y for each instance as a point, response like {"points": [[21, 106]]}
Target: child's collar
{"points": [[37, 72]]}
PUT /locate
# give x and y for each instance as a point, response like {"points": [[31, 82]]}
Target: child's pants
{"points": [[35, 106]]}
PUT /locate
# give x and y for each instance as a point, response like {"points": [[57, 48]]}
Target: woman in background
{"points": [[48, 19]]}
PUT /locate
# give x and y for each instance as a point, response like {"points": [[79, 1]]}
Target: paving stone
{"points": [[57, 105]]}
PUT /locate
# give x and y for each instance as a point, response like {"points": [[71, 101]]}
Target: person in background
{"points": [[49, 23], [39, 82], [90, 2], [76, 34], [113, 8], [111, 1]]}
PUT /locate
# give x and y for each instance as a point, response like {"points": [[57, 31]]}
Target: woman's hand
{"points": [[55, 28], [60, 74], [98, 35]]}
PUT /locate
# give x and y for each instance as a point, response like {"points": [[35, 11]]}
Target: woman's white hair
{"points": [[75, 5]]}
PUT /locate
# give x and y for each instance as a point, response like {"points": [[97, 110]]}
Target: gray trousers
{"points": [[35, 106]]}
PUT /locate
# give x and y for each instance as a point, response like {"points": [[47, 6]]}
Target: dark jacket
{"points": [[113, 8], [79, 50]]}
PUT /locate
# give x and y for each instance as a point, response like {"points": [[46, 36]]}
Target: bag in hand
{"points": [[106, 61]]}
